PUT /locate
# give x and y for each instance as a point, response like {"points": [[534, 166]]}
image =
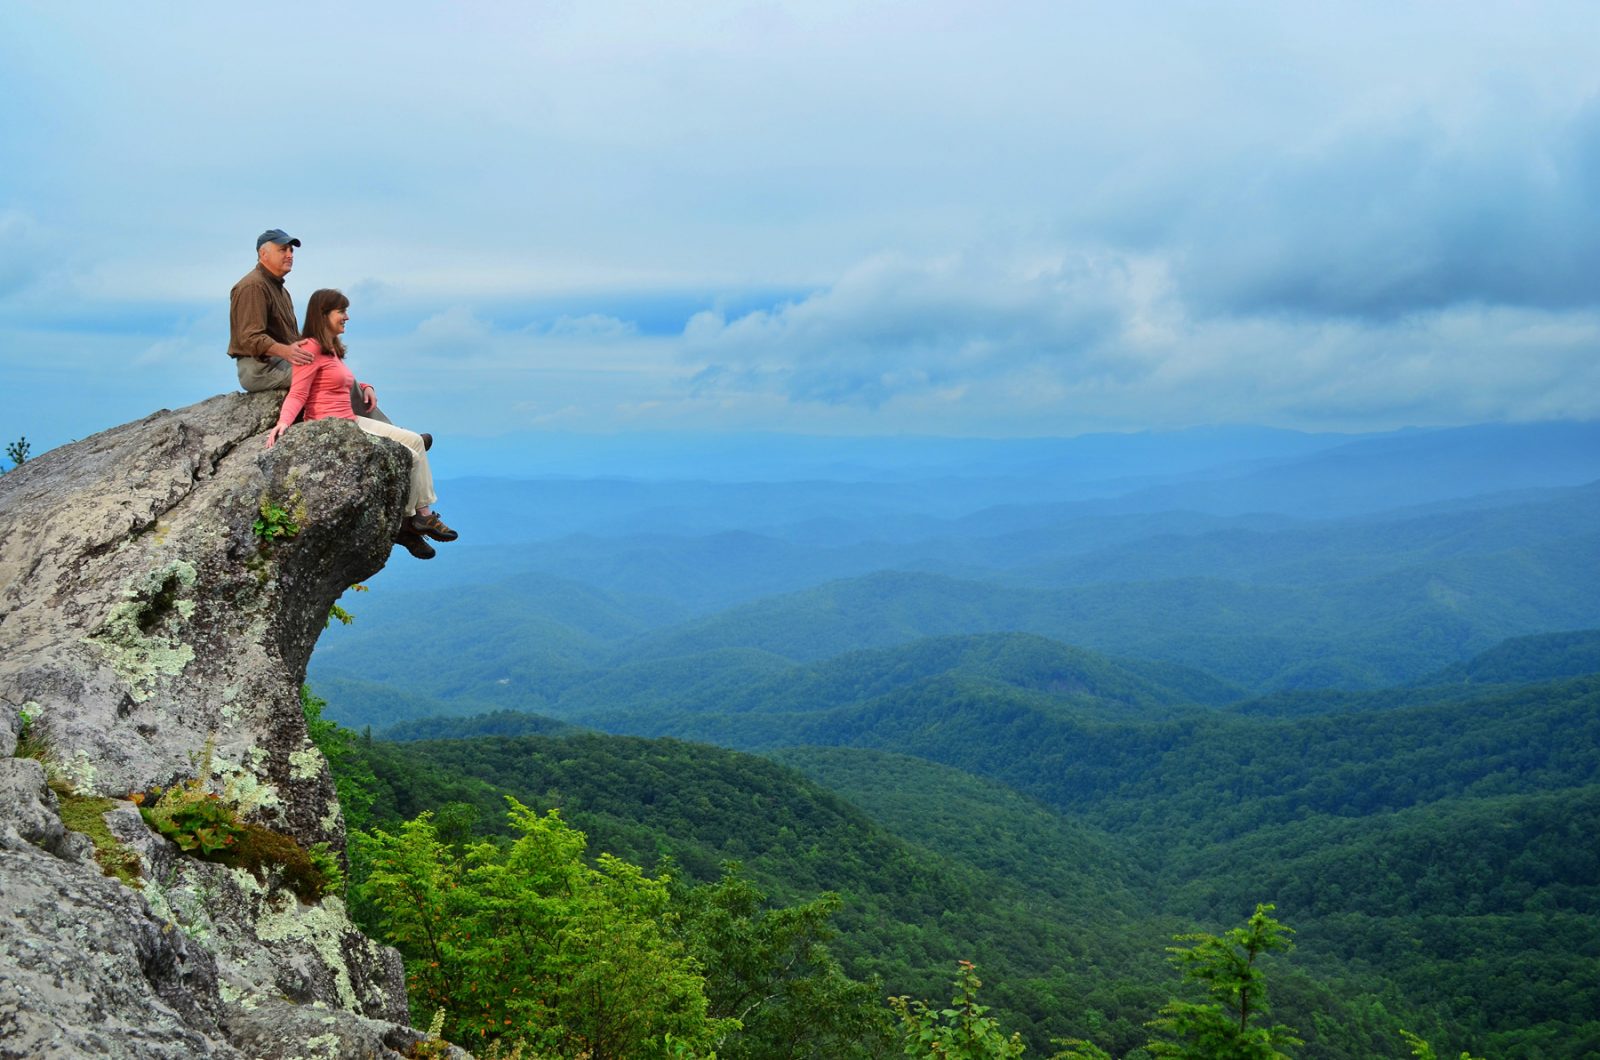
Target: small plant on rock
{"points": [[19, 451], [31, 740], [337, 612], [274, 523], [208, 827], [87, 814], [195, 819], [431, 1044]]}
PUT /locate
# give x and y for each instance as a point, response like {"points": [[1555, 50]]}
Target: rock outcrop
{"points": [[152, 635]]}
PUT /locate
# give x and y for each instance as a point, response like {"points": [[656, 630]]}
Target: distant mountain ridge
{"points": [[910, 483], [1355, 603]]}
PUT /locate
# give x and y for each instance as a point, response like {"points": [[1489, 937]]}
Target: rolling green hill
{"points": [[1521, 659], [647, 697]]}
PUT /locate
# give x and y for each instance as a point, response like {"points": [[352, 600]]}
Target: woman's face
{"points": [[336, 321]]}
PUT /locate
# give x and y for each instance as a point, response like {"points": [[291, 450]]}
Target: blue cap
{"points": [[278, 236]]}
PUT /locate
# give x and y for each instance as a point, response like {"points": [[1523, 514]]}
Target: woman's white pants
{"points": [[421, 491]]}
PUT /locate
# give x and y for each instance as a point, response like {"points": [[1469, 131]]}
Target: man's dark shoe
{"points": [[412, 542], [427, 441], [433, 526]]}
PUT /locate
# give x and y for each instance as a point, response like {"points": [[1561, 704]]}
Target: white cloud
{"points": [[592, 327], [1098, 340], [893, 325]]}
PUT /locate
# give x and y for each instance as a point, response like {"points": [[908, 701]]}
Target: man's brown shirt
{"points": [[260, 314]]}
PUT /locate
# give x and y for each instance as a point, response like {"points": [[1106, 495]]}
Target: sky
{"points": [[870, 218]]}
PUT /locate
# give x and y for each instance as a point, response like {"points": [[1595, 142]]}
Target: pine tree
{"points": [[1229, 1024]]}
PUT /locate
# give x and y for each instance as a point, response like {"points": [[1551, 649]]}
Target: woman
{"points": [[322, 390]]}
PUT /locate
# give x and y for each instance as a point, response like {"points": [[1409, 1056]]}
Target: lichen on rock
{"points": [[133, 636]]}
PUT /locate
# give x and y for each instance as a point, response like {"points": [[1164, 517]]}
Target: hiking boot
{"points": [[433, 526], [412, 542], [427, 441]]}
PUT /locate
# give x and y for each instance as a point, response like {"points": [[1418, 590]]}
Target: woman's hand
{"points": [[274, 434], [370, 394]]}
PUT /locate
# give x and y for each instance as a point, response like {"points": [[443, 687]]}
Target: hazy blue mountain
{"points": [[1322, 552], [378, 706], [708, 572], [588, 624], [527, 621], [713, 681], [898, 485], [544, 644], [1407, 467], [1370, 632]]}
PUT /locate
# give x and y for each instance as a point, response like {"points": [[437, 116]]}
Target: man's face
{"points": [[277, 259]]}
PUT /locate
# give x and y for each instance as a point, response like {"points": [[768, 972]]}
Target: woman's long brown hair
{"points": [[322, 303]]}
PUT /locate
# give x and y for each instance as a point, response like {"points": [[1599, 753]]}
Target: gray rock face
{"points": [[152, 634], [85, 969]]}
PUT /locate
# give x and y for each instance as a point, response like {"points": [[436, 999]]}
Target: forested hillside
{"points": [[1100, 831]]}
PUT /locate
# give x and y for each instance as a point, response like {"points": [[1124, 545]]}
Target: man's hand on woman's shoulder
{"points": [[299, 353]]}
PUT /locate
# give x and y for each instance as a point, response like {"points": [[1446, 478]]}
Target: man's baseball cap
{"points": [[278, 236]]}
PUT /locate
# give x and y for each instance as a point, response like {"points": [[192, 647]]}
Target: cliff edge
{"points": [[152, 634]]}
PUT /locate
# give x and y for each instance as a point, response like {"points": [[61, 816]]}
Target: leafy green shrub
{"points": [[198, 821], [528, 943], [1423, 1051], [1230, 1022], [961, 1032]]}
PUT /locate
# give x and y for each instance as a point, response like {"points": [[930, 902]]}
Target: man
{"points": [[262, 330]]}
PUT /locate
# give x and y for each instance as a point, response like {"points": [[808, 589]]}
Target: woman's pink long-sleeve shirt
{"points": [[322, 388]]}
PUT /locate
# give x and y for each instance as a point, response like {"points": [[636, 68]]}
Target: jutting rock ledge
{"points": [[151, 634]]}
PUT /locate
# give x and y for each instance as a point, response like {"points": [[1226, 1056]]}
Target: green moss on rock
{"points": [[86, 814]]}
